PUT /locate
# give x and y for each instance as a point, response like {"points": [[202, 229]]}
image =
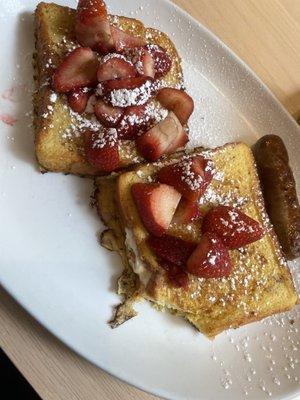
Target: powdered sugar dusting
{"points": [[193, 180], [79, 124], [132, 97], [110, 56], [105, 138], [156, 112], [53, 97]]}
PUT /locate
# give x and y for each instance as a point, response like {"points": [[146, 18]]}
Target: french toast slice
{"points": [[58, 142], [260, 283]]}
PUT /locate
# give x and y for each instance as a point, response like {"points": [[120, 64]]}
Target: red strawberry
{"points": [[156, 204], [146, 64], [190, 177], [171, 248], [177, 276], [164, 138], [142, 60], [92, 27], [108, 116], [90, 104], [78, 99], [162, 61], [210, 259], [123, 40], [78, 69], [233, 227], [179, 141], [102, 150], [130, 83], [115, 67], [186, 212], [127, 92], [177, 101], [135, 120]]}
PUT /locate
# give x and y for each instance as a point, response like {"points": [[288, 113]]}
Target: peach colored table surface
{"points": [[266, 35]]}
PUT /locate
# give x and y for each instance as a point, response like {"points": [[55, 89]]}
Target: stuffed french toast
{"points": [[196, 240], [110, 92]]}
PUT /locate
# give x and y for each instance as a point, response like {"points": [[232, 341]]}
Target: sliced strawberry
{"points": [[108, 116], [156, 204], [233, 227], [90, 104], [78, 69], [130, 83], [136, 120], [164, 138], [146, 64], [190, 177], [128, 92], [123, 40], [177, 101], [171, 248], [177, 276], [142, 60], [102, 149], [186, 212], [162, 61], [78, 99], [210, 259], [92, 27], [179, 141], [115, 67]]}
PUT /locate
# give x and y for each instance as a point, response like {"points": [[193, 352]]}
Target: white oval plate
{"points": [[50, 260]]}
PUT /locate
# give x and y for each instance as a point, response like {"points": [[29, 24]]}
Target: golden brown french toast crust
{"points": [[261, 283], [58, 142]]}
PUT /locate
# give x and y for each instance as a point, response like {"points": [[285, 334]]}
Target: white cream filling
{"points": [[137, 264]]}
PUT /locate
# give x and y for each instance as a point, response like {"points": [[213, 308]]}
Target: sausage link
{"points": [[279, 190]]}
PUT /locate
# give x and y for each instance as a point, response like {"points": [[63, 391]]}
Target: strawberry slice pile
{"points": [[116, 76], [175, 200]]}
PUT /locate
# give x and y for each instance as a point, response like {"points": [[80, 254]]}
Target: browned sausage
{"points": [[279, 190]]}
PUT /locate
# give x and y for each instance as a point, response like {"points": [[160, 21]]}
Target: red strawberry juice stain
{"points": [[8, 119], [8, 94]]}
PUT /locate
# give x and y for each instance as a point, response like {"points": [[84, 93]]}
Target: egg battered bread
{"points": [[260, 283], [58, 140]]}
